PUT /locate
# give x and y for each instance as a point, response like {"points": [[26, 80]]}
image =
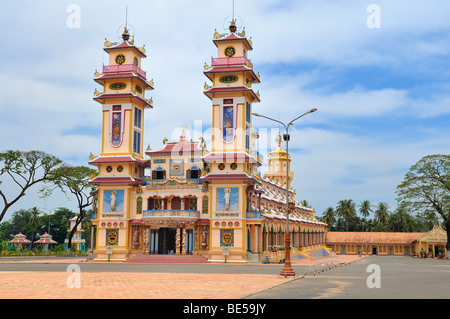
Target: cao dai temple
{"points": [[213, 203]]}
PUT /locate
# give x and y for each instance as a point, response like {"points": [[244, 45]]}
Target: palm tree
{"points": [[346, 209], [365, 208], [329, 217], [35, 221], [382, 213]]}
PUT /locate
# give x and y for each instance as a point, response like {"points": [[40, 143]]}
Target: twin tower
{"points": [[227, 171]]}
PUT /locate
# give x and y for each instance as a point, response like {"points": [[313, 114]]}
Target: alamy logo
{"points": [[74, 279], [74, 18], [374, 19], [374, 279]]}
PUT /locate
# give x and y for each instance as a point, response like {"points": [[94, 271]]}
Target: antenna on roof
{"points": [[233, 11], [126, 16], [125, 34]]}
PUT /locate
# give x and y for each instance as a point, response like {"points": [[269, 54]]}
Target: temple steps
{"points": [[166, 259]]}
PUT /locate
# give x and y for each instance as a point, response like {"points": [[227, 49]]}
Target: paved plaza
{"points": [[51, 278]]}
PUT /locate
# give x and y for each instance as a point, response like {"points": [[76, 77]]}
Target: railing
{"points": [[124, 68], [252, 214], [171, 213], [241, 60], [319, 267], [156, 181]]}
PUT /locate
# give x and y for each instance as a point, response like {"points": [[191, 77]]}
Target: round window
{"points": [[120, 59]]}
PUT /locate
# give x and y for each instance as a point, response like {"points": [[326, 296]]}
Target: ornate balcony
{"points": [[240, 60], [124, 68], [171, 213], [252, 214]]}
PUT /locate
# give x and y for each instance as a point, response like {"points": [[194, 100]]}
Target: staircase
{"points": [[167, 259]]}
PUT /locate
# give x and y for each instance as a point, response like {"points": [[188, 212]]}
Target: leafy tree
{"points": [[401, 220], [73, 179], [25, 169], [58, 222], [427, 187], [426, 220]]}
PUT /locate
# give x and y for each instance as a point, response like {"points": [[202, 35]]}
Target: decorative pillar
{"points": [[183, 241], [146, 245]]}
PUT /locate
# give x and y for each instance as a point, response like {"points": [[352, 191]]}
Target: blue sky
{"points": [[382, 94]]}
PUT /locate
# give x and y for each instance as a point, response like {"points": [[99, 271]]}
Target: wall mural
{"points": [[113, 200], [176, 167], [227, 199], [228, 124], [116, 136]]}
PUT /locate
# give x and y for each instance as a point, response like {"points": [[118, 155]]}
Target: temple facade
{"points": [[183, 198]]}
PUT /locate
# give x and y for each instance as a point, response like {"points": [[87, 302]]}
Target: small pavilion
{"points": [[46, 241], [20, 241]]}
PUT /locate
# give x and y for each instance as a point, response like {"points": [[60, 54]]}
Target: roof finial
{"points": [[233, 26]]}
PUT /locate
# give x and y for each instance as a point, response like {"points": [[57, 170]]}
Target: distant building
{"points": [[77, 242], [388, 243]]}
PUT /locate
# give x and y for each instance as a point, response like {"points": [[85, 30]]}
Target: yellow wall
{"points": [[129, 56]]}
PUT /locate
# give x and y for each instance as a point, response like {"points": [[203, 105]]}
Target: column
{"points": [[183, 240]]}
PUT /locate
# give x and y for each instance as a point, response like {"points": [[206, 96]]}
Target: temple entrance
{"points": [[167, 240]]}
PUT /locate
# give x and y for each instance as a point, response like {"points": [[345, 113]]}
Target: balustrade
{"points": [[171, 213], [241, 60], [124, 68]]}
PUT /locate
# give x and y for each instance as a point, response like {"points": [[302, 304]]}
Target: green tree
{"points": [[75, 180], [427, 187], [25, 169], [365, 208], [329, 217], [382, 214], [58, 222], [401, 220], [346, 209], [426, 220]]}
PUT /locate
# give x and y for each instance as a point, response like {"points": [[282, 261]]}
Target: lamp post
{"points": [[287, 270]]}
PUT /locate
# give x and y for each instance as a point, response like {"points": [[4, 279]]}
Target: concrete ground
{"points": [[74, 278]]}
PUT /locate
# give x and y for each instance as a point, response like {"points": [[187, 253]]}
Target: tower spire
{"points": [[125, 34], [233, 27]]}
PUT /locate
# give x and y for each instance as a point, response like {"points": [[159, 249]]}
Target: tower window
{"points": [[137, 117], [247, 138], [248, 112], [137, 142]]}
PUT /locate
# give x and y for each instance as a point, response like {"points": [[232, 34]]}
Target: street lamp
{"points": [[287, 270]]}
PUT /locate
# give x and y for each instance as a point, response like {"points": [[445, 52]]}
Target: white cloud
{"points": [[48, 104]]}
